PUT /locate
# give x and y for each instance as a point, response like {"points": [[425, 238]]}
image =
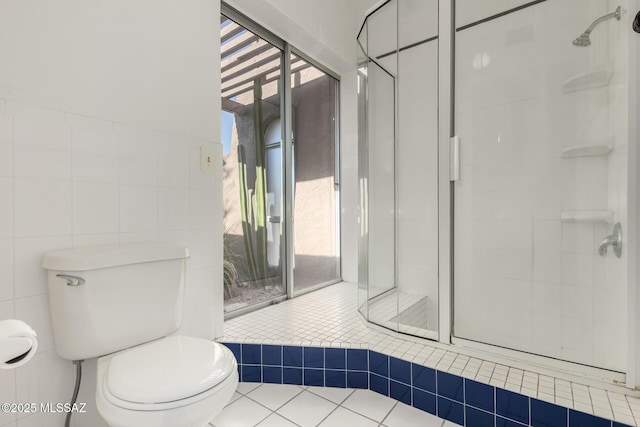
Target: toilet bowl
{"points": [[171, 382]]}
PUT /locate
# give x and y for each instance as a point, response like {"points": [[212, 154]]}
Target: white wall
{"points": [[157, 53], [103, 109], [349, 175]]}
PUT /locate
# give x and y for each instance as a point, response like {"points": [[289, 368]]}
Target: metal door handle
{"points": [[273, 219]]}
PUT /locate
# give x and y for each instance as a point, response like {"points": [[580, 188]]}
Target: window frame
{"points": [[287, 173]]}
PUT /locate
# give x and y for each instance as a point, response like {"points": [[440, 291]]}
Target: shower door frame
{"points": [[446, 34], [446, 279], [633, 301]]}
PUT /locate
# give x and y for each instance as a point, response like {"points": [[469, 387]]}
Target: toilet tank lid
{"points": [[92, 258]]}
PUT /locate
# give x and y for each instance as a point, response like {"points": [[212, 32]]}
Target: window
{"points": [[269, 254]]}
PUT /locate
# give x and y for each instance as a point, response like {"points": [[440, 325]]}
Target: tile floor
{"points": [[328, 318], [276, 405]]}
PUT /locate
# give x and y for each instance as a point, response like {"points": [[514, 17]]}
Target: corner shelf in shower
{"points": [[587, 216], [602, 148], [593, 79]]}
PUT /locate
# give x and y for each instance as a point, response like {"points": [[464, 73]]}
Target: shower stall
{"points": [[496, 162]]}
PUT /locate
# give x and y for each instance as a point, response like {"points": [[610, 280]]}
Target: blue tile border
{"points": [[549, 415], [450, 386], [460, 400], [480, 396], [512, 406]]}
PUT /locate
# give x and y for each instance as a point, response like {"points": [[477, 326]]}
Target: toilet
{"points": [[122, 304]]}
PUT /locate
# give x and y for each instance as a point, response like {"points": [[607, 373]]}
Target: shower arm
{"points": [[616, 14]]}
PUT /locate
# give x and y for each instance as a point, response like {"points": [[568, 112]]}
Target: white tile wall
{"points": [[6, 208], [138, 156], [29, 280], [6, 269], [35, 162], [173, 160], [138, 208], [95, 208], [173, 208], [6, 130], [94, 152], [42, 207], [7, 394], [6, 154], [71, 181], [37, 132]]}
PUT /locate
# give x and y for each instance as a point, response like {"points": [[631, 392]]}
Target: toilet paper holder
{"points": [[15, 346], [18, 343]]}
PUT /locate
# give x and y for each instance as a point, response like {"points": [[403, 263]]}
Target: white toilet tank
{"points": [[105, 299]]}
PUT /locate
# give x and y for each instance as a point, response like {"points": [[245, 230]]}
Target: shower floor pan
{"points": [[405, 312]]}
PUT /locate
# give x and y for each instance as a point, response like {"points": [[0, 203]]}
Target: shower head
{"points": [[584, 39]]}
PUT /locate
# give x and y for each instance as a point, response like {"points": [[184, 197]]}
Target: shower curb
{"points": [[454, 398]]}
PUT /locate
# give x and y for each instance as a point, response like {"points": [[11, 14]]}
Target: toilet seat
{"points": [[194, 411], [168, 373]]}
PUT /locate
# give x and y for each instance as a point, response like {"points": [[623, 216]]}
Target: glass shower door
{"points": [[377, 186], [542, 122], [381, 196], [398, 162]]}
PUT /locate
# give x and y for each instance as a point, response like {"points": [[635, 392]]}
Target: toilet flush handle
{"points": [[71, 280]]}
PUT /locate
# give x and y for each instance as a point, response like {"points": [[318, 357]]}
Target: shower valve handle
{"points": [[636, 23], [614, 240]]}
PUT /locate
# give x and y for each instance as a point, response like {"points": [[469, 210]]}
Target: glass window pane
{"points": [[315, 238], [252, 183]]}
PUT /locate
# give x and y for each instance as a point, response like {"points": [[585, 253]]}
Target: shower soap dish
{"points": [[589, 150], [598, 77], [587, 216]]}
